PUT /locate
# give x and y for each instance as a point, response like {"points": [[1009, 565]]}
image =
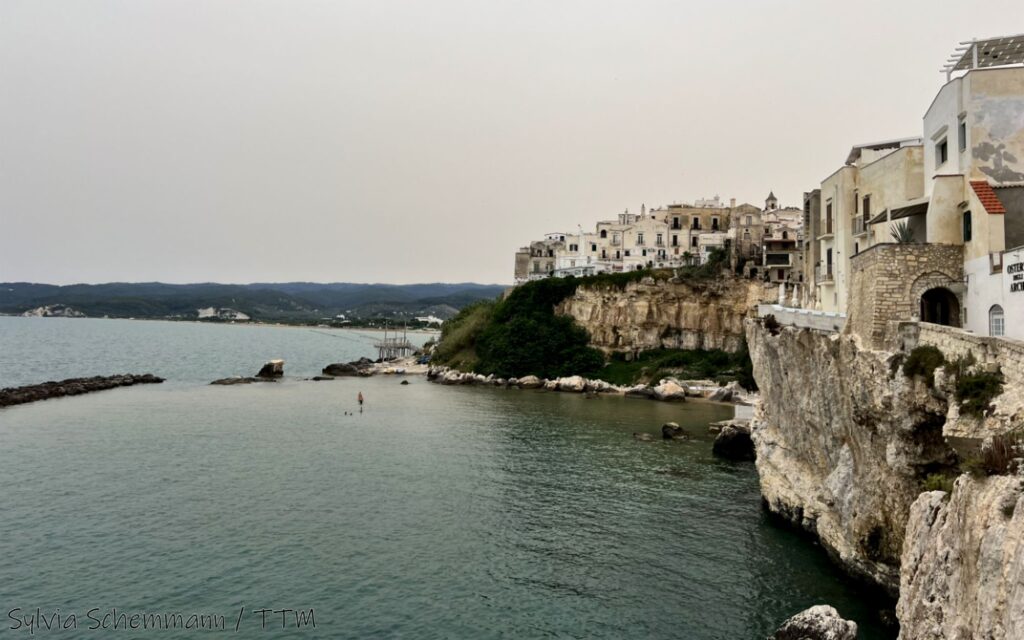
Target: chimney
{"points": [[732, 203]]}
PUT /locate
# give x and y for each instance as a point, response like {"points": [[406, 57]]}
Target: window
{"points": [[675, 222], [749, 221], [941, 153], [995, 321], [627, 252], [961, 133], [639, 238], [967, 226], [693, 241], [604, 233], [675, 240], [659, 241], [593, 246], [714, 224], [695, 223], [618, 255], [856, 248], [867, 207], [782, 274], [785, 235]]}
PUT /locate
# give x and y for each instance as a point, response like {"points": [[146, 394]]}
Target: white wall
{"points": [[1013, 301]]}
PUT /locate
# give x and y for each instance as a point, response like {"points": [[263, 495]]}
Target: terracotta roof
{"points": [[988, 197]]}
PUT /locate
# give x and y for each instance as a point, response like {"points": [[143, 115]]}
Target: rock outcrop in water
{"points": [[71, 387], [360, 367], [733, 442], [672, 315], [817, 623]]}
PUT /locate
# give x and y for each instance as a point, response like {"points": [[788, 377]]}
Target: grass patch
{"points": [[976, 391], [923, 361]]}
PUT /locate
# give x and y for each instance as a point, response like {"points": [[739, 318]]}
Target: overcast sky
{"points": [[385, 141]]}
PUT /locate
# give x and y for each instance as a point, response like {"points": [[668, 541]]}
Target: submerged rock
{"points": [[821, 622], [321, 378], [643, 437], [237, 380], [672, 431], [404, 382], [734, 442]]}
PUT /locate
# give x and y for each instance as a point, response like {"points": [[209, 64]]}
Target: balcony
{"points": [[823, 274], [860, 226]]}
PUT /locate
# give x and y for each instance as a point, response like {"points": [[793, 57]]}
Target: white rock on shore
{"points": [[820, 622]]}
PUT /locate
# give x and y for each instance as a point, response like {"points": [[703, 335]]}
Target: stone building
{"points": [[918, 227]]}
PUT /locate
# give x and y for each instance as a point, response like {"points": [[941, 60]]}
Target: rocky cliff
{"points": [[665, 314], [843, 443], [963, 563]]}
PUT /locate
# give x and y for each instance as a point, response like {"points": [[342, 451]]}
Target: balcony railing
{"points": [[859, 226], [823, 273]]}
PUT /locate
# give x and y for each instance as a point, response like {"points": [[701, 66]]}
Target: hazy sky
{"points": [[384, 141]]}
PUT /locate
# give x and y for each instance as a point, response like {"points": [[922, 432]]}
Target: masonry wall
{"points": [[888, 280]]}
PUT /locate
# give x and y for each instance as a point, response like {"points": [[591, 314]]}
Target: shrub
{"points": [[976, 391], [923, 361], [997, 458], [938, 482], [772, 325], [457, 347]]}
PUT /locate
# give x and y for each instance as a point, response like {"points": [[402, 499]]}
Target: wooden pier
{"points": [[394, 347]]}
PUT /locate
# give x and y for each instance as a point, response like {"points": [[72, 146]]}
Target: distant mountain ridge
{"points": [[277, 302]]}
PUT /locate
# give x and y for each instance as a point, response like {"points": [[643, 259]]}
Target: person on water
{"points": [[360, 398]]}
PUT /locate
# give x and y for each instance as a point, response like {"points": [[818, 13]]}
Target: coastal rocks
{"points": [[672, 431], [664, 315], [530, 382], [643, 437], [721, 394], [843, 441], [321, 378], [821, 622], [273, 369], [963, 562], [239, 380], [71, 387], [669, 391], [574, 384], [640, 391], [733, 442], [360, 367]]}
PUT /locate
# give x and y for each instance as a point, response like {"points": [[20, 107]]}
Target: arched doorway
{"points": [[940, 306]]}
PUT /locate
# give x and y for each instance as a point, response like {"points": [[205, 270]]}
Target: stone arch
{"points": [[937, 297]]}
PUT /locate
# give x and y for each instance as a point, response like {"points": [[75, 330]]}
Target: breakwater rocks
{"points": [[71, 387], [662, 314], [667, 390]]}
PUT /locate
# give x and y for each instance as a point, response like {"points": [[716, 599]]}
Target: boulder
{"points": [[733, 443], [530, 382], [640, 391], [721, 394], [821, 622], [451, 377], [273, 369], [670, 391], [672, 431], [551, 385], [405, 382], [575, 384], [598, 386], [341, 369], [643, 437]]}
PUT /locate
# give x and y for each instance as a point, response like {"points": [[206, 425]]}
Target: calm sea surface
{"points": [[439, 512]]}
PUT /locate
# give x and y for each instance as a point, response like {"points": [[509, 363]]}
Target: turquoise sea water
{"points": [[439, 512]]}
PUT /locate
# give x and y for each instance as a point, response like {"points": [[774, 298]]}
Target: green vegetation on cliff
{"points": [[651, 366]]}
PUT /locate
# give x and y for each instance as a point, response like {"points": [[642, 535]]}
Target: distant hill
{"points": [[277, 302]]}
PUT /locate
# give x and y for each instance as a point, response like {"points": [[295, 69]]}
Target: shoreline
{"points": [[244, 323]]}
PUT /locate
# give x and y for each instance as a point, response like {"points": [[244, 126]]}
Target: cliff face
{"points": [[963, 563], [672, 315], [843, 440]]}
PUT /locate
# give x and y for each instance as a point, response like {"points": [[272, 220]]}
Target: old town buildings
{"points": [[672, 236]]}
